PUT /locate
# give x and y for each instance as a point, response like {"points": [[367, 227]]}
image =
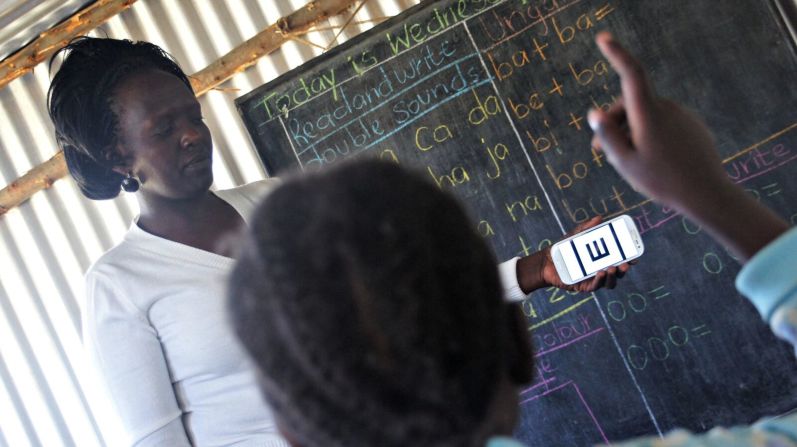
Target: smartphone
{"points": [[583, 255]]}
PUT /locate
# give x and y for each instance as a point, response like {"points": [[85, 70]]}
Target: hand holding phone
{"points": [[609, 244]]}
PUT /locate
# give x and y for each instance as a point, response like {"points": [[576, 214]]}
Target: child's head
{"points": [[374, 311]]}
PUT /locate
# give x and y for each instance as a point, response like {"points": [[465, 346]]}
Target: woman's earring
{"points": [[129, 183]]}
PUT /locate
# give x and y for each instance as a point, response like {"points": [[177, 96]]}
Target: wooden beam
{"points": [[41, 177], [241, 57], [265, 42], [48, 42]]}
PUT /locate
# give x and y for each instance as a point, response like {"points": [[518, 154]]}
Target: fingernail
{"points": [[594, 124], [610, 40]]}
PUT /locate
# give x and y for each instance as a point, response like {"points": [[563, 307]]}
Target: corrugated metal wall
{"points": [[22, 20], [46, 392]]}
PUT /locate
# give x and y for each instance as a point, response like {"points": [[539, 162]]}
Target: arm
{"points": [[125, 351], [668, 154], [521, 276], [665, 139], [672, 143]]}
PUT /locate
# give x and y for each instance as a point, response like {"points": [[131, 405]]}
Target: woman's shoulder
{"points": [[110, 262], [106, 283], [119, 268], [252, 191], [246, 198]]}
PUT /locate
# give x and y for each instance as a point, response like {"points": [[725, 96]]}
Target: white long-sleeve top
{"points": [[155, 329]]}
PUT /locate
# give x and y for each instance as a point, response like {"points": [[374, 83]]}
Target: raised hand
{"points": [[667, 153]]}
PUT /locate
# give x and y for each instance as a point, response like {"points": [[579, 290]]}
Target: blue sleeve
{"points": [[780, 432], [769, 281]]}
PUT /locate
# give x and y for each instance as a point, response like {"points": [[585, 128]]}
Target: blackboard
{"points": [[489, 98]]}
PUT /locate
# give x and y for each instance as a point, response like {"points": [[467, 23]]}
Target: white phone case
{"points": [[559, 262]]}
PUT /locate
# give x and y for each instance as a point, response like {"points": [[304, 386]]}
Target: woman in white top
{"points": [[127, 118]]}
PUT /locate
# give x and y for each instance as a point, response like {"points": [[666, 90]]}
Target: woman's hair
{"points": [[372, 308], [79, 102]]}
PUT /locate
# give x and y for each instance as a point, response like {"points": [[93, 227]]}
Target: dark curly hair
{"points": [[372, 308], [79, 102]]}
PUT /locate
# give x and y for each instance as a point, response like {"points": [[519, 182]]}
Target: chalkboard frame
{"points": [[601, 298]]}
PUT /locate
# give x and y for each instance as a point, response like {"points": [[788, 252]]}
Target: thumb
{"points": [[614, 139], [586, 225]]}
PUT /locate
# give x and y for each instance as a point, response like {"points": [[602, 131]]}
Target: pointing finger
{"points": [[637, 92]]}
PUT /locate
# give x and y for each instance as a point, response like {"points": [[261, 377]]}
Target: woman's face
{"points": [[162, 136]]}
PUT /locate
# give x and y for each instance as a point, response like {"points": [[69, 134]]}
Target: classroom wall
{"points": [[46, 392]]}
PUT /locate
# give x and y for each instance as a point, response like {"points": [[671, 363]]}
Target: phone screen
{"points": [[598, 248]]}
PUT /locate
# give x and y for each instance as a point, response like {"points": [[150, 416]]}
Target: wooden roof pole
{"points": [[241, 57], [48, 42], [268, 40]]}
